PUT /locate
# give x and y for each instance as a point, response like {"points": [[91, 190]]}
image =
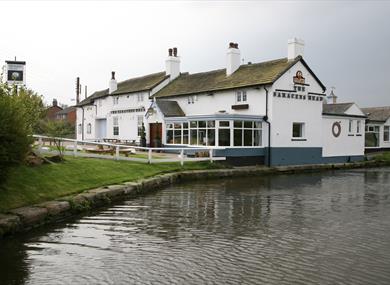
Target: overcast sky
{"points": [[347, 44]]}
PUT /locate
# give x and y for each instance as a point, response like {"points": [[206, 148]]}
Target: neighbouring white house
{"points": [[377, 128], [272, 112]]}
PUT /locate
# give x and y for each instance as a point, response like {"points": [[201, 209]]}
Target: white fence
{"points": [[128, 152]]}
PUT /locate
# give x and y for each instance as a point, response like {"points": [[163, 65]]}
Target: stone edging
{"points": [[26, 218]]}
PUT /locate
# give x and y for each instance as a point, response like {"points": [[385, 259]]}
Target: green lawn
{"points": [[384, 156], [30, 185]]}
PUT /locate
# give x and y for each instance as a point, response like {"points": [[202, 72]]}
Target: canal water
{"points": [[319, 228]]}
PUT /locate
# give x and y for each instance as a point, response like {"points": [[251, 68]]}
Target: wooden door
{"points": [[155, 134]]}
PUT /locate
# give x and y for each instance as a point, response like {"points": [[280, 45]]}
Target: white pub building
{"points": [[272, 112]]}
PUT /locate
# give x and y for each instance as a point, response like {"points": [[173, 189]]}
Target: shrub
{"points": [[14, 134]]}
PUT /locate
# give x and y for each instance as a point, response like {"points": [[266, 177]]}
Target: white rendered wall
{"points": [[346, 144], [222, 101], [285, 111]]}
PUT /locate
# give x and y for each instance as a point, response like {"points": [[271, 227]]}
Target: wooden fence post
{"points": [[40, 144], [150, 156], [211, 155], [182, 157], [75, 148], [117, 152]]}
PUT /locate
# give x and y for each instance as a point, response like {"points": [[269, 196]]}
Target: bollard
{"points": [[211, 155]]}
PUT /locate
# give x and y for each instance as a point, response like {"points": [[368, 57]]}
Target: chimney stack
{"points": [[172, 64], [112, 85], [77, 90], [332, 97], [233, 59], [55, 103], [295, 48]]}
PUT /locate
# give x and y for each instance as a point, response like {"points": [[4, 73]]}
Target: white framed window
{"points": [[115, 100], [115, 123], [358, 126], [140, 97], [247, 133], [298, 130], [386, 133], [350, 126], [140, 120], [241, 96], [89, 128]]}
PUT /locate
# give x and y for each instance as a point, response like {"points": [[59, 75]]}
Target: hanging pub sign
{"points": [[298, 78], [15, 72]]}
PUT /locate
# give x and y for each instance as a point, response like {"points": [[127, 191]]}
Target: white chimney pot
{"points": [[295, 48]]}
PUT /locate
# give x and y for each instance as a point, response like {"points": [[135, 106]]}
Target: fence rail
{"points": [[79, 148]]}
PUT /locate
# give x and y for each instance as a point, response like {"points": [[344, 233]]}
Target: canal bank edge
{"points": [[26, 218]]}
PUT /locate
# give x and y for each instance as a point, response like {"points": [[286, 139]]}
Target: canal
{"points": [[318, 228]]}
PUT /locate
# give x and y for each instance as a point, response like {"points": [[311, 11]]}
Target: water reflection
{"points": [[323, 228]]}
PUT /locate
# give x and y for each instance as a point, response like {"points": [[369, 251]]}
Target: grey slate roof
{"points": [[246, 75], [380, 114], [137, 84], [170, 108], [336, 109]]}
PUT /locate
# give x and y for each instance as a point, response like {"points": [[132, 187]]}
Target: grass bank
{"points": [[30, 185]]}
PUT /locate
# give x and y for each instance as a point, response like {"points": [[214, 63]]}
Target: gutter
{"points": [[266, 119]]}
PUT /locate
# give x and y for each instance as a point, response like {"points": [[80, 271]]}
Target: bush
{"points": [[14, 134]]}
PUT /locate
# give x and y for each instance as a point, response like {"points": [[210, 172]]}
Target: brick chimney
{"points": [[233, 59]]}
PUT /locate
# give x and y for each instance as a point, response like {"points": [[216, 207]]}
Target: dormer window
{"points": [[241, 96]]}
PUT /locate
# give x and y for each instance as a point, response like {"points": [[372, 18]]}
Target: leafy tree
{"points": [[58, 129]]}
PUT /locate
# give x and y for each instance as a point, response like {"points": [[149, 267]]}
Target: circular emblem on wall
{"points": [[336, 129]]}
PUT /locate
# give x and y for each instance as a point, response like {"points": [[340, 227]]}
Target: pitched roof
{"points": [[67, 110], [246, 75], [336, 109], [131, 85], [170, 108], [380, 114]]}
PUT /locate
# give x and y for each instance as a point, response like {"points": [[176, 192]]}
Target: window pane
{"points": [[237, 137], [257, 138], [193, 124], [257, 125], [185, 136], [202, 136], [211, 124], [169, 137], [297, 130], [177, 138], [202, 124], [386, 133], [238, 124], [185, 125], [224, 137], [372, 140], [193, 137], [247, 124], [247, 137], [211, 137], [224, 123], [177, 126], [169, 126]]}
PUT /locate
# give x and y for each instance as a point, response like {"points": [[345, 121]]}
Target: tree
{"points": [[58, 129]]}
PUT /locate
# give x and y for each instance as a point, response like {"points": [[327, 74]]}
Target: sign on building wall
{"points": [[15, 72], [298, 78]]}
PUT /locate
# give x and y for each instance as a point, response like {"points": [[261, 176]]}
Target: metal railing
{"points": [[78, 148]]}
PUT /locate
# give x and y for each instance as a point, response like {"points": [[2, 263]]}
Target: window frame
{"points": [[302, 126]]}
